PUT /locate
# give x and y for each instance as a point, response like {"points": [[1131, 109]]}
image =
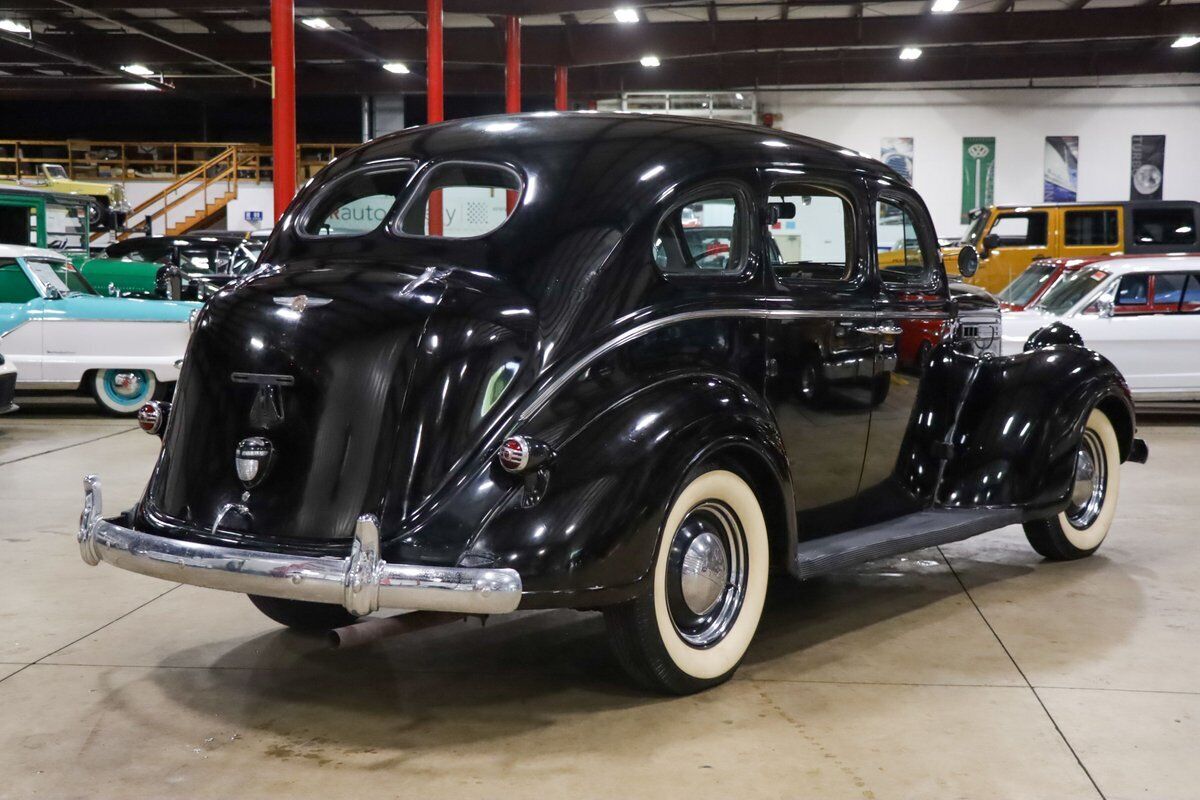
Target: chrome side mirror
{"points": [[968, 261], [1104, 306], [52, 293]]}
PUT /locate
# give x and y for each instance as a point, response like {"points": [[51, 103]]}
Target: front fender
{"points": [[1020, 423], [592, 537]]}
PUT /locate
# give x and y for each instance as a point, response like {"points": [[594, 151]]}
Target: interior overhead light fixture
{"points": [[317, 23], [397, 67], [12, 26], [140, 70], [1186, 40], [910, 54], [650, 61], [625, 14], [944, 6]]}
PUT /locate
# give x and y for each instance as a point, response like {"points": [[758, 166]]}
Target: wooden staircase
{"points": [[213, 184]]}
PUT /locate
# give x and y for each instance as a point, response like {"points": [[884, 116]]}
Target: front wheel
{"points": [[123, 391], [690, 627], [1079, 530]]}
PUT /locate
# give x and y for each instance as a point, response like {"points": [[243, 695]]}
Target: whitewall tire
{"points": [[1081, 528], [123, 391], [691, 626]]}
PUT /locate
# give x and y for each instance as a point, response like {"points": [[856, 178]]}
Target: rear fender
{"points": [[1020, 425], [591, 538]]}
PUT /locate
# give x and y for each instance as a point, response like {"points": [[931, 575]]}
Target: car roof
{"points": [[1120, 265], [1093, 203], [20, 251]]}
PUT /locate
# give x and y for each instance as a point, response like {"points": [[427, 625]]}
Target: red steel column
{"points": [[433, 94], [512, 65], [560, 88], [283, 102]]}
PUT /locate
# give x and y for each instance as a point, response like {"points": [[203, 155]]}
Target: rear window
{"points": [[475, 200], [1090, 227], [1164, 226]]}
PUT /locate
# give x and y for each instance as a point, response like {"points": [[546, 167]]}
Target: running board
{"points": [[901, 535]]}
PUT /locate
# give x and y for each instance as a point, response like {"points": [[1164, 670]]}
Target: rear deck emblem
{"points": [[252, 460], [302, 301]]}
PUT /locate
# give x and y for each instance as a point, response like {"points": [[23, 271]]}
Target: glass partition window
{"points": [[356, 205], [1090, 228], [900, 255], [475, 200], [812, 235], [701, 237]]}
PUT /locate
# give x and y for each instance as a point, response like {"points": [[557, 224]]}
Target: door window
{"points": [[1021, 230], [1092, 227], [1168, 290], [811, 233], [1164, 226], [900, 255], [704, 236], [1133, 294], [15, 286]]}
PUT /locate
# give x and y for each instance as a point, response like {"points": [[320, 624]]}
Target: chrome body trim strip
{"points": [[361, 583]]}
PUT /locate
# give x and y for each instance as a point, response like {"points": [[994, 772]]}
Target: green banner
{"points": [[979, 174]]}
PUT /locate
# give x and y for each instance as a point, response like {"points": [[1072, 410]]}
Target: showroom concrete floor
{"points": [[974, 670]]}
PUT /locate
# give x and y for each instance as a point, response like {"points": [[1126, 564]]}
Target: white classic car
{"points": [[1143, 314], [60, 333], [8, 385]]}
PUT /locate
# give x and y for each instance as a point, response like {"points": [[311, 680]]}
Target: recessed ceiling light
{"points": [[944, 6], [397, 67], [625, 14], [650, 61], [317, 23], [910, 54], [140, 70], [1187, 40], [12, 26]]}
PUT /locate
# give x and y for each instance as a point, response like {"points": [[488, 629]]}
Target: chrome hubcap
{"points": [[706, 574], [127, 384], [1091, 481]]}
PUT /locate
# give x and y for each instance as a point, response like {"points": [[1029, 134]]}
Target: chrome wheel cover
{"points": [[126, 384], [706, 574], [1091, 482]]}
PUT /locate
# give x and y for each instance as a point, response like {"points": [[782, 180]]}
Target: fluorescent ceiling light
{"points": [[910, 54], [316, 23], [396, 67], [12, 26], [625, 14], [1187, 40], [944, 6], [650, 61], [140, 70]]}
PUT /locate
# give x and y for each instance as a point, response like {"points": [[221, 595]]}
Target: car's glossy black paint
{"points": [[633, 378]]}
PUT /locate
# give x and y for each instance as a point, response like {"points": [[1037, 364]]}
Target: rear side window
{"points": [[15, 286], [1168, 288], [1021, 230], [812, 233], [356, 205], [476, 199], [702, 237], [1164, 226], [1090, 227], [1191, 294], [901, 258]]}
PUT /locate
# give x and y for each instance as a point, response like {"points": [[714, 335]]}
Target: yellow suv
{"points": [[1009, 238]]}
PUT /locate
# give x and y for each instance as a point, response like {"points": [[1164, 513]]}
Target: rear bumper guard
{"points": [[362, 583]]}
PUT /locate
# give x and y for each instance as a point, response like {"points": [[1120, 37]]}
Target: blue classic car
{"points": [[61, 334]]}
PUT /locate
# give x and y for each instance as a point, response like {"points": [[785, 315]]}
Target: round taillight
{"points": [[514, 453], [151, 417]]}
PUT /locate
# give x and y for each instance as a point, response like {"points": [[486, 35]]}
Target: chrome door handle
{"points": [[870, 330], [891, 330]]}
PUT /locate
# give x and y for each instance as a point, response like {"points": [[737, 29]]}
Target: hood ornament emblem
{"points": [[253, 459], [298, 303]]}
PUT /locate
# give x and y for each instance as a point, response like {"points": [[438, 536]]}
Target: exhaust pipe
{"points": [[370, 630]]}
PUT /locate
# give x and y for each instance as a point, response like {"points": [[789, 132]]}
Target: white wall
{"points": [[1104, 119]]}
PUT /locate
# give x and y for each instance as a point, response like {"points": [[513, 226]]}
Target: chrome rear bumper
{"points": [[362, 583]]}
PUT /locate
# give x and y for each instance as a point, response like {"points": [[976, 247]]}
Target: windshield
{"points": [[68, 274], [1070, 290], [975, 229], [43, 273], [1028, 284], [55, 172]]}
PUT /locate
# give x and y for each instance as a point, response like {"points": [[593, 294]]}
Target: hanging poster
{"points": [[1060, 173], [1147, 155], [897, 153], [979, 174]]}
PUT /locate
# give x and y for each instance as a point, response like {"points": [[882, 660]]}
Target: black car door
{"points": [[820, 351], [912, 318]]}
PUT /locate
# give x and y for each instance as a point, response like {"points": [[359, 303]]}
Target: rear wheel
{"points": [[1080, 529], [301, 615], [690, 627], [123, 391]]}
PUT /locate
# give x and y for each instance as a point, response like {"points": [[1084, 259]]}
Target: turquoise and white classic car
{"points": [[61, 334]]}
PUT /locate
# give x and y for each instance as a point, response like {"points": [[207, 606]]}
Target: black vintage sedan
{"points": [[625, 363]]}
